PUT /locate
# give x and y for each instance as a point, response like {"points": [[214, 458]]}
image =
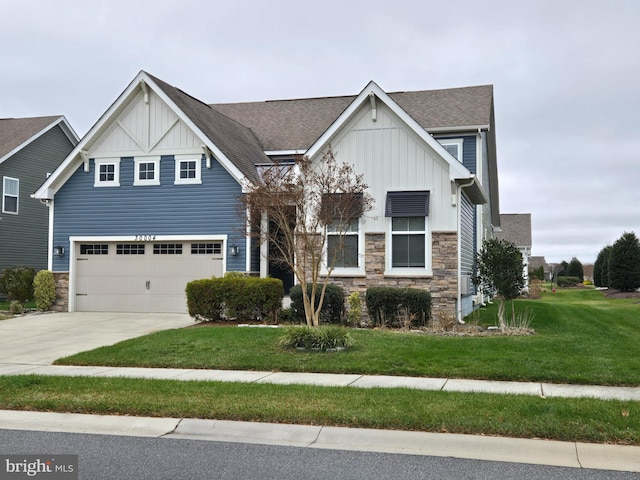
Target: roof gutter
{"points": [[473, 190], [458, 129]]}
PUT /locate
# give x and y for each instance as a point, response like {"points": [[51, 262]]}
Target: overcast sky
{"points": [[566, 76]]}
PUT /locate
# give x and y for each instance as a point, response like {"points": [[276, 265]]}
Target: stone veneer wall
{"points": [[443, 284], [62, 292]]}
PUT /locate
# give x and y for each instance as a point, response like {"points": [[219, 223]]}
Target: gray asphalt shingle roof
{"points": [[15, 131], [236, 141], [516, 228], [297, 124]]}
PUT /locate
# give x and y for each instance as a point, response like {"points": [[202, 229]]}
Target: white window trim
{"points": [[188, 158], [358, 271], [454, 141], [5, 195], [408, 271], [156, 170], [116, 172]]}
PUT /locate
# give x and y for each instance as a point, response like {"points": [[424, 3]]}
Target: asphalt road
{"points": [[117, 457]]}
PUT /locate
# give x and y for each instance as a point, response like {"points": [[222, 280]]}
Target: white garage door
{"points": [[142, 276]]}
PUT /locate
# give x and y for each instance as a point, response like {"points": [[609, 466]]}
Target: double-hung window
{"points": [[188, 169], [10, 194], [107, 172], [342, 244], [344, 240], [408, 232], [147, 171]]}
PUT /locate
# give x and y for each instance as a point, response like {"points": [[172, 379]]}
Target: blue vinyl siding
{"points": [[467, 236], [468, 150], [167, 209], [468, 241]]}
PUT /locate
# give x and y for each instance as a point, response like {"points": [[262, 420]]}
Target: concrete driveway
{"points": [[40, 339]]}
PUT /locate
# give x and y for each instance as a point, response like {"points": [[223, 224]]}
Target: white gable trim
{"points": [[73, 160], [65, 127], [458, 171]]}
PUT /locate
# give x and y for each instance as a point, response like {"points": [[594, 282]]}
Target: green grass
{"points": [[584, 420], [582, 337]]}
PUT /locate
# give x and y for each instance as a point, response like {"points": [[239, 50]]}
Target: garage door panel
{"points": [[144, 282]]}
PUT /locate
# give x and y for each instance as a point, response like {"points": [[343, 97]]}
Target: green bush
{"points": [[44, 290], [16, 307], [235, 297], [251, 298], [332, 310], [355, 309], [17, 283], [387, 305], [205, 300], [564, 281], [312, 338]]}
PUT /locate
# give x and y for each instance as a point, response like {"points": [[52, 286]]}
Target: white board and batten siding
{"points": [[393, 158], [146, 129]]}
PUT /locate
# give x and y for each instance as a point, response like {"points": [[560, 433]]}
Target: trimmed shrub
{"points": [[332, 310], [311, 338], [17, 283], [44, 290], [234, 297], [389, 305], [252, 298], [564, 281], [16, 308], [205, 300], [355, 309]]}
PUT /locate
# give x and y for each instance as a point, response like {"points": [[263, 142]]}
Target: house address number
{"points": [[144, 238]]}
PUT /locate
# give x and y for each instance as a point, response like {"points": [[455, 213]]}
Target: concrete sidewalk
{"points": [[541, 452], [546, 390]]}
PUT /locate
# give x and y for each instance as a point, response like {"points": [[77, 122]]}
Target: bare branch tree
{"points": [[293, 208]]}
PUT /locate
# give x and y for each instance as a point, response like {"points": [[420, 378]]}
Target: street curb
{"points": [[499, 449]]}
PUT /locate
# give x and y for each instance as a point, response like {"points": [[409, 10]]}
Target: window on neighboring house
{"points": [[188, 169], [147, 171], [10, 194], [107, 173], [408, 212], [454, 147]]}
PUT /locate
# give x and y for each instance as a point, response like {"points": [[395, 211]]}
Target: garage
{"points": [[142, 276]]}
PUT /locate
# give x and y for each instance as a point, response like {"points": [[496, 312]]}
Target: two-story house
{"points": [[30, 150], [147, 200]]}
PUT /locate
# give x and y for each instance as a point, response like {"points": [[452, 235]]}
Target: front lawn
{"points": [[578, 419], [582, 337]]}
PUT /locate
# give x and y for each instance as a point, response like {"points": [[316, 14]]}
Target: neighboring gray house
{"points": [[537, 262], [516, 228], [147, 200], [30, 150]]}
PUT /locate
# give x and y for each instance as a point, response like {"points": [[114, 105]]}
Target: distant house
{"points": [[537, 262], [516, 228], [147, 200], [30, 150]]}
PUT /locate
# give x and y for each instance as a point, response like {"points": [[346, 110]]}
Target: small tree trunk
{"points": [[501, 322]]}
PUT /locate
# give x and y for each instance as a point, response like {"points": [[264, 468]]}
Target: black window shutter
{"points": [[407, 204]]}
